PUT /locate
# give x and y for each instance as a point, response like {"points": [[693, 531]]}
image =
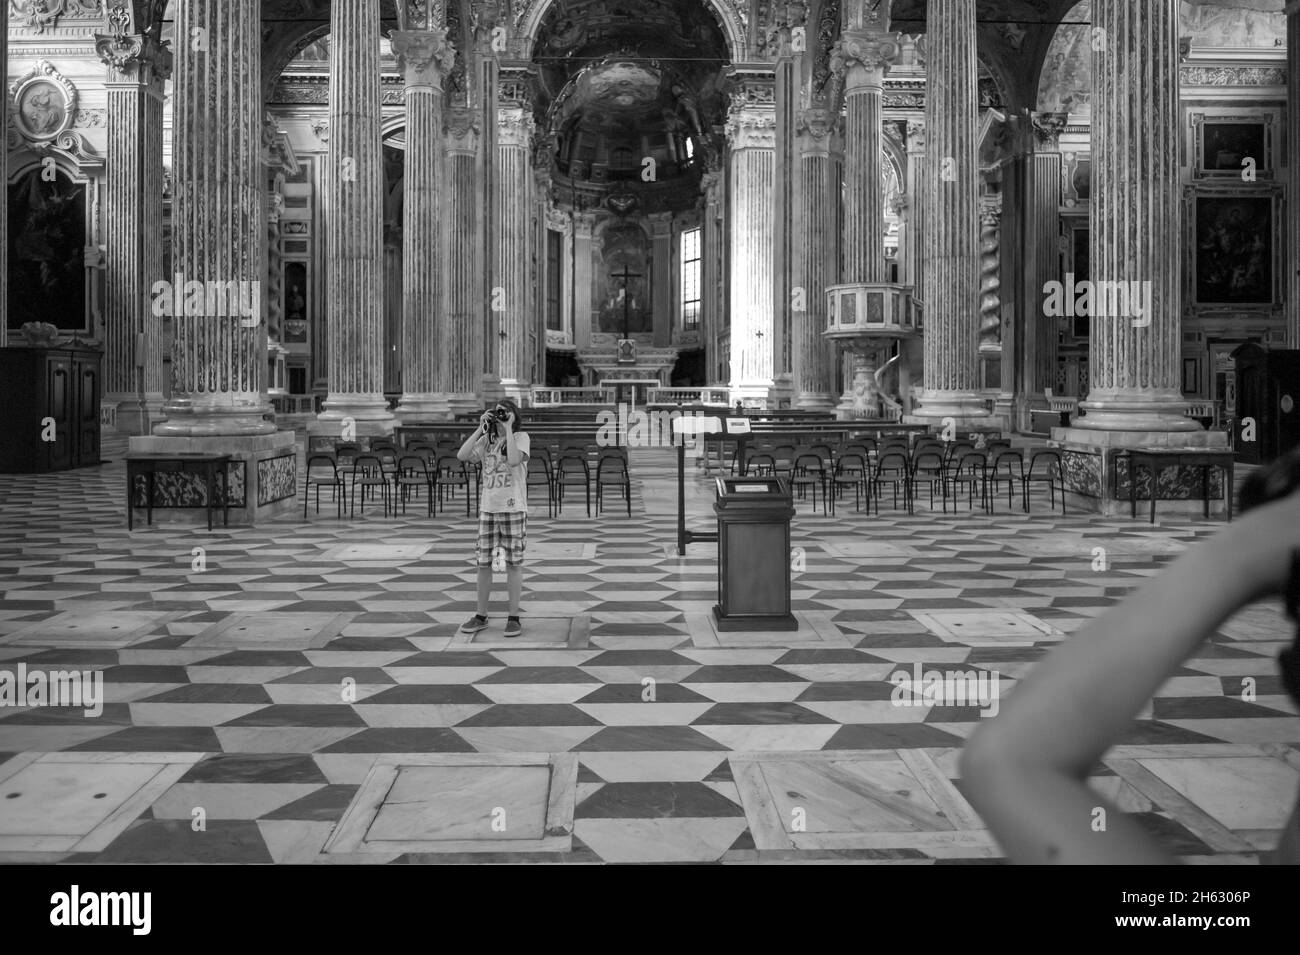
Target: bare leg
{"points": [[515, 584], [484, 589]]}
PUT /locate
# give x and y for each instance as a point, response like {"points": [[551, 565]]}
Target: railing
{"points": [[1211, 410], [688, 396], [1070, 405], [555, 397]]}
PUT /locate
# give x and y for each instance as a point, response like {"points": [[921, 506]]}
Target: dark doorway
{"points": [[562, 370], [689, 371]]}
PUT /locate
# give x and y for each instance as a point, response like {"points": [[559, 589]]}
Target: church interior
{"points": [[266, 263]]}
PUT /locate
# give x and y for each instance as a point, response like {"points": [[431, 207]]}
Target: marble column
{"points": [[661, 279], [817, 237], [866, 57], [218, 232], [511, 295], [354, 220], [584, 230], [1293, 168], [461, 337], [1039, 182], [751, 132], [950, 290], [785, 175], [712, 241], [1135, 345], [424, 57], [912, 271], [138, 65]]}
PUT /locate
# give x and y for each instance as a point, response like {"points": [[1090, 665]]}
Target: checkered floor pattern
{"points": [[257, 679]]}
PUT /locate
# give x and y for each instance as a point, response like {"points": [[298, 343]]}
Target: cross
{"points": [[625, 276]]}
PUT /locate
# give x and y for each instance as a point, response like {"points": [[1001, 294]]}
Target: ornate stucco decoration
{"points": [[36, 15], [44, 105]]}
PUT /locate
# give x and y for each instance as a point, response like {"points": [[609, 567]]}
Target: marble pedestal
{"points": [[1097, 480], [263, 479], [130, 415]]}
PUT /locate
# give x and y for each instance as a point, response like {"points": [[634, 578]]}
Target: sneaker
{"points": [[474, 624], [513, 627]]}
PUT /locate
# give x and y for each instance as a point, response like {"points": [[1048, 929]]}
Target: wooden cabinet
{"points": [[49, 392]]}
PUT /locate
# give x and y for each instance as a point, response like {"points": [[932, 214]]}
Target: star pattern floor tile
{"points": [[271, 682]]}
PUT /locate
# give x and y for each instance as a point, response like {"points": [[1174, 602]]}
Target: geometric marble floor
{"points": [[297, 692]]}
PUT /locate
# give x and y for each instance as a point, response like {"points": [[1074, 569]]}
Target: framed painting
{"points": [[1228, 144], [1235, 249]]}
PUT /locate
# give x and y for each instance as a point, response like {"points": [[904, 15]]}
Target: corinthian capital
{"points": [[424, 55], [134, 56]]}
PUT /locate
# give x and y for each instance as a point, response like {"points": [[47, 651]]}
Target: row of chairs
{"points": [[396, 476], [930, 463]]}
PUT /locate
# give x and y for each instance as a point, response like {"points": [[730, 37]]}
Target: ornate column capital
{"points": [[661, 223], [463, 130], [139, 57], [1047, 128], [751, 119], [865, 57], [424, 56], [515, 126]]}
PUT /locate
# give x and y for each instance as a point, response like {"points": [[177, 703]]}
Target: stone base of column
{"points": [[417, 409], [367, 414], [1118, 412], [462, 404], [187, 418], [820, 401], [130, 414], [783, 391], [263, 479], [1097, 479], [521, 392], [490, 389], [1004, 408], [949, 404]]}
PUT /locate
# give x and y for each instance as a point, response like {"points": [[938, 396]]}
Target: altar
{"points": [[603, 366]]}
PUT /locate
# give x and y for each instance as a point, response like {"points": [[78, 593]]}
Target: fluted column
{"points": [[133, 217], [866, 55], [661, 278], [512, 294], [1040, 203], [817, 239], [218, 232], [914, 213], [1293, 169], [1136, 342], [951, 236], [424, 57], [460, 353], [584, 229], [751, 132], [355, 222], [712, 243]]}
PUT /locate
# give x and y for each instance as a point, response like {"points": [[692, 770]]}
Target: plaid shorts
{"points": [[501, 539]]}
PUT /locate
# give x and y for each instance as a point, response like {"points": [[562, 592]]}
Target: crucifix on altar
{"points": [[626, 345]]}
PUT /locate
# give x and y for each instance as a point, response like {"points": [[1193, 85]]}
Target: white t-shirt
{"points": [[505, 488]]}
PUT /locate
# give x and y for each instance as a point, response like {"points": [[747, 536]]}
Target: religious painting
{"points": [[1233, 145], [295, 303], [47, 240], [622, 276], [1234, 250]]}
